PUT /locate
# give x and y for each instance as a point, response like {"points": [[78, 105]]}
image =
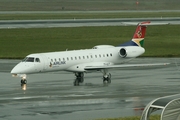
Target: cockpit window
{"points": [[37, 60], [24, 59], [28, 59]]}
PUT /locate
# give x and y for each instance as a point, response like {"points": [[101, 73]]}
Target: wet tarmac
{"points": [[53, 96]]}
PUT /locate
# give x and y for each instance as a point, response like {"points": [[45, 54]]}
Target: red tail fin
{"points": [[138, 38], [140, 30], [139, 34]]}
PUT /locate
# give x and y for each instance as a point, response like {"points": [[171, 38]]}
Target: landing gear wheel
{"points": [[24, 81], [79, 78], [107, 79], [76, 82], [104, 80]]}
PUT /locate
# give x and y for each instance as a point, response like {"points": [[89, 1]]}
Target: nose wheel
{"points": [[23, 81]]}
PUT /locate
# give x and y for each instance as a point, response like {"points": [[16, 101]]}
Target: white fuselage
{"points": [[75, 60]]}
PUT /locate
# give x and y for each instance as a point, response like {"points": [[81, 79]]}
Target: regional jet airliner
{"points": [[99, 58]]}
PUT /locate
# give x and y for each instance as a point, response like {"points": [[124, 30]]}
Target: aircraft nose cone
{"points": [[15, 70], [23, 68]]}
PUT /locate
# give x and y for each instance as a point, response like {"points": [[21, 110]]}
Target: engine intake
{"points": [[130, 51], [122, 52]]}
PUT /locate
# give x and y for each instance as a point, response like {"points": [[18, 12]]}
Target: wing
{"points": [[121, 66]]}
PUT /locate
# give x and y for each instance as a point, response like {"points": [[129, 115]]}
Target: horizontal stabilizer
{"points": [[148, 24]]}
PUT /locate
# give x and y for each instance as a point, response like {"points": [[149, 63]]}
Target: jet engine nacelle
{"points": [[131, 51]]}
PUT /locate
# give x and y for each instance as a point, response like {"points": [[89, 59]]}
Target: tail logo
{"points": [[139, 33], [138, 37]]}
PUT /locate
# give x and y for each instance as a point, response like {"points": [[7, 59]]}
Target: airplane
{"points": [[99, 58]]}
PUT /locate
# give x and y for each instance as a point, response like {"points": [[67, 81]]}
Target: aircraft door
{"points": [[45, 62], [40, 63]]}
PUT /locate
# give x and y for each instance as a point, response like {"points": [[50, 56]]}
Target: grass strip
{"points": [[160, 41], [85, 5], [86, 15]]}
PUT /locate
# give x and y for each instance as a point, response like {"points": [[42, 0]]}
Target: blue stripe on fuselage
{"points": [[129, 43]]}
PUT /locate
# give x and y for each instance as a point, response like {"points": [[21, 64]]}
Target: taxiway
{"points": [[9, 24], [53, 96]]}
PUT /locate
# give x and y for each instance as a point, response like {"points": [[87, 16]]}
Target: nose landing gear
{"points": [[23, 79]]}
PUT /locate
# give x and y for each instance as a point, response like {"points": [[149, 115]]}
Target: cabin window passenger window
{"points": [[96, 56], [67, 58], [83, 57], [79, 57], [63, 59], [59, 59], [75, 58], [71, 58], [111, 54], [52, 60], [87, 57], [107, 55]]}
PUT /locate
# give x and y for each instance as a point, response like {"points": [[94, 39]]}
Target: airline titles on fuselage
{"points": [[57, 63]]}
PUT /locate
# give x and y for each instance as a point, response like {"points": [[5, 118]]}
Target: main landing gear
{"points": [[106, 76], [79, 78]]}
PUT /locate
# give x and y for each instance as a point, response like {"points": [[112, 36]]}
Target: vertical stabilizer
{"points": [[139, 35]]}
